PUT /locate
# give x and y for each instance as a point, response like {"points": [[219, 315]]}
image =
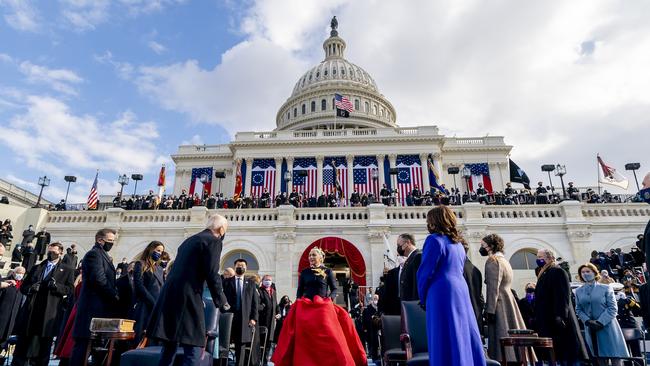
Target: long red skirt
{"points": [[318, 333]]}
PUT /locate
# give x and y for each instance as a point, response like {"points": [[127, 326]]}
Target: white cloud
{"points": [[49, 137], [136, 7], [157, 47], [6, 58], [123, 69], [61, 80], [21, 15], [561, 80], [83, 15], [195, 140]]}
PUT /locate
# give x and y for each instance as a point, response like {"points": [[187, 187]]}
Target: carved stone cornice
{"points": [[378, 234], [285, 235]]}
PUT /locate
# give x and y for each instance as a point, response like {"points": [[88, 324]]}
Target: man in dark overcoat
{"points": [[269, 311], [408, 285], [389, 303], [98, 297], [45, 286], [178, 316], [42, 242], [244, 301], [28, 235], [474, 280]]}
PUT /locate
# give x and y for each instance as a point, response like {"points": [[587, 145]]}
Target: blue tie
{"points": [[238, 305], [48, 269]]}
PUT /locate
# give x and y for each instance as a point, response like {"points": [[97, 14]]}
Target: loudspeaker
{"points": [[392, 171], [453, 170], [303, 173], [219, 175]]}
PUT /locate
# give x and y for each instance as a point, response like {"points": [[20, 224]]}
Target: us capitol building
{"points": [[370, 146]]}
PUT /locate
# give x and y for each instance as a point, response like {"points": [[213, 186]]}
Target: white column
{"points": [[289, 169], [247, 181], [278, 176], [350, 160], [425, 173], [380, 168], [319, 175]]}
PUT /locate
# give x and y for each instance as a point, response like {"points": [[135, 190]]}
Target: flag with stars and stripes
{"points": [[305, 184], [334, 180], [409, 175], [480, 174], [343, 106], [263, 177], [93, 197], [364, 168], [197, 173]]}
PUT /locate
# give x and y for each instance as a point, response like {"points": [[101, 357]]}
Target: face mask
{"points": [[483, 251], [530, 296], [240, 270], [267, 283], [530, 290], [107, 246], [223, 237], [19, 276], [400, 251], [540, 262], [163, 264], [645, 195], [588, 277], [51, 256], [155, 256]]}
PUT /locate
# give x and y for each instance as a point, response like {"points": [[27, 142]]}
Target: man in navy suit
{"points": [[98, 297]]}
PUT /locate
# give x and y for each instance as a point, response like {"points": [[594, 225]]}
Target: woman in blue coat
{"points": [[596, 307], [147, 282], [452, 332]]}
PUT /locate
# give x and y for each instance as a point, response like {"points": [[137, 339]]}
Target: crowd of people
{"points": [[48, 299]]}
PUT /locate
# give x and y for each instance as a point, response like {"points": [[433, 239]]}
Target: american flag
{"points": [[93, 198], [196, 176], [364, 167], [307, 184], [343, 105], [409, 175], [329, 178], [480, 174], [263, 177]]}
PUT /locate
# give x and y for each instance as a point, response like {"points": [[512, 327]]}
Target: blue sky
{"points": [[118, 85]]}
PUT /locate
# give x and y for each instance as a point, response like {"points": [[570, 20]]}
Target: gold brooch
{"points": [[319, 272]]}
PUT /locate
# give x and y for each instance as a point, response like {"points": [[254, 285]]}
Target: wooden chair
{"points": [[524, 346]]}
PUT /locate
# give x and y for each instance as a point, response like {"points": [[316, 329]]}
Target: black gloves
{"points": [[594, 325], [35, 287], [51, 284], [490, 318]]}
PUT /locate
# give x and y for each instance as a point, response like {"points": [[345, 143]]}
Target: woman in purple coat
{"points": [[452, 332]]}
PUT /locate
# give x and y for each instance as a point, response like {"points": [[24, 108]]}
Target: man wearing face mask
{"points": [[98, 297], [269, 311], [408, 287], [370, 328], [527, 306], [177, 318], [45, 286], [10, 300], [70, 257], [644, 194], [244, 299]]}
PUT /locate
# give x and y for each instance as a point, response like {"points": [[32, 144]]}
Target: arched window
{"points": [[317, 74], [313, 106], [366, 107], [382, 112], [333, 103], [325, 72], [309, 77], [356, 104], [304, 109], [288, 115], [374, 110], [323, 105], [334, 71], [295, 112], [229, 260], [524, 259]]}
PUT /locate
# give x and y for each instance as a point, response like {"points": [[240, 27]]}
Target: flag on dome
{"points": [[343, 106], [518, 175], [93, 198], [480, 174], [610, 175]]}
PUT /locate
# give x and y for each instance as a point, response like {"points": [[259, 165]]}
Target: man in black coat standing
{"points": [[474, 280], [243, 297], [98, 297], [42, 242], [269, 311], [389, 303], [45, 286], [70, 257], [28, 235], [178, 316], [408, 286]]}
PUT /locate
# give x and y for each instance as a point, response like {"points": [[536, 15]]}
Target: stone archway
{"points": [[343, 248]]}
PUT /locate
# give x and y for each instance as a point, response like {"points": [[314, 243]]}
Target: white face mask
{"points": [[19, 276], [267, 283]]}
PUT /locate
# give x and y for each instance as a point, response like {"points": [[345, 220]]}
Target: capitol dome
{"points": [[311, 104]]}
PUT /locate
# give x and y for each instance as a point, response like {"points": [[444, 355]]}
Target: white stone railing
{"points": [[13, 192], [451, 142], [343, 133], [569, 211]]}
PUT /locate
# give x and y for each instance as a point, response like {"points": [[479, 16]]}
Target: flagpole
{"points": [[598, 172]]}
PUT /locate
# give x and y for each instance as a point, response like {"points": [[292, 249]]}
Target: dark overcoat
{"points": [[474, 280], [10, 300], [269, 308], [42, 241], [98, 295], [42, 312], [389, 303], [408, 283], [248, 310], [178, 315], [553, 299], [28, 236], [147, 286]]}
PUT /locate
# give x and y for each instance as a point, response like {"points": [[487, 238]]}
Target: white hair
{"points": [[216, 222], [548, 253]]}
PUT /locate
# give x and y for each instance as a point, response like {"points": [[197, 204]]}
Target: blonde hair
{"points": [[319, 251]]}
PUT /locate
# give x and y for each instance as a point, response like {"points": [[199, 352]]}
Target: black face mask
{"points": [[51, 256], [240, 270], [107, 246], [530, 290], [483, 252], [401, 251]]}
